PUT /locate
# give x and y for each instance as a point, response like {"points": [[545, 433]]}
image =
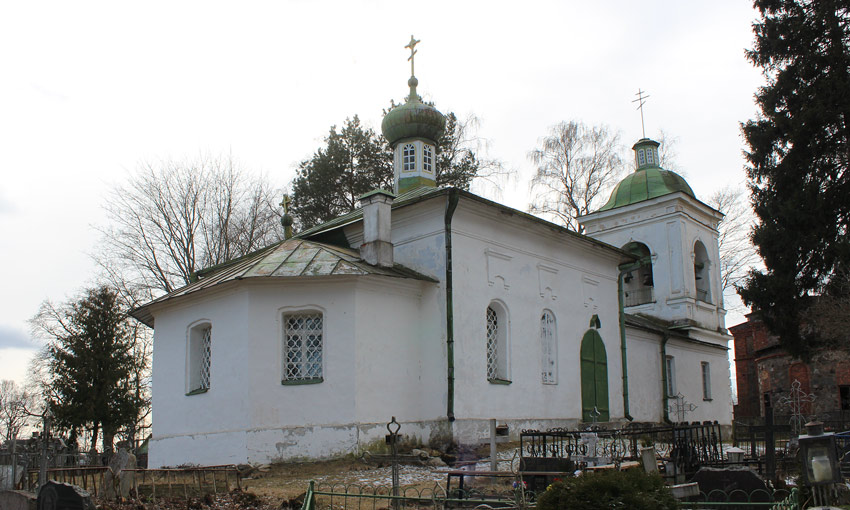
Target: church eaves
{"points": [[292, 258]]}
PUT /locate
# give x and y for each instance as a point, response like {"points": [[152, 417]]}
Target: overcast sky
{"points": [[89, 90]]}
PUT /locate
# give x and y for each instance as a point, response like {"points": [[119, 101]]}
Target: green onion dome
{"points": [[413, 119], [648, 180]]}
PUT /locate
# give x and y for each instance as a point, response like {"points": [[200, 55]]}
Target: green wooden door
{"points": [[594, 377]]}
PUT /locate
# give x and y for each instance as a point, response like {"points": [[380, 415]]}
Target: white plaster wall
{"points": [[397, 354], [688, 358], [247, 414], [645, 386], [529, 268]]}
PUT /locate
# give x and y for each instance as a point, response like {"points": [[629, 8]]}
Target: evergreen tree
{"points": [[357, 160], [91, 368], [354, 161], [799, 161]]}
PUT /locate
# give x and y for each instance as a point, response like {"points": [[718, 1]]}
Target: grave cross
{"points": [[392, 439], [796, 399], [681, 407]]}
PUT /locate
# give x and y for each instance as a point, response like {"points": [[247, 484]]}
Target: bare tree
{"points": [[667, 153], [174, 218], [737, 254], [576, 166], [16, 408]]}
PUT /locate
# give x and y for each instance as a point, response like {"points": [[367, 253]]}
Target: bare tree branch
{"points": [[173, 218], [737, 254], [576, 166]]}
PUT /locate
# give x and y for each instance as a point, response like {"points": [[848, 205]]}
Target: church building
{"points": [[445, 309]]}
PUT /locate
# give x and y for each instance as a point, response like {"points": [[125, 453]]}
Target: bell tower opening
{"points": [[639, 285], [701, 272]]}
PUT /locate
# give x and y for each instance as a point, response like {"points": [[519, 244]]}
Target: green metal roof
{"points": [[648, 181], [293, 258], [644, 184], [413, 119]]}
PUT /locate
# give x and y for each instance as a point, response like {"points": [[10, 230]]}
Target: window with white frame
{"points": [[671, 376], [427, 159], [198, 353], [641, 157], [497, 362], [706, 381], [549, 344], [408, 155], [303, 334]]}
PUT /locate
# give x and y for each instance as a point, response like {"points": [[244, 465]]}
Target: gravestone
{"points": [[17, 500], [63, 496], [117, 480], [647, 458], [6, 482], [538, 483], [728, 479]]}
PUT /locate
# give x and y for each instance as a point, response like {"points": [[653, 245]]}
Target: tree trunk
{"points": [[93, 446], [108, 441]]}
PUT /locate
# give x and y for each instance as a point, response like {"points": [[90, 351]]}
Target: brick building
{"points": [[765, 373]]}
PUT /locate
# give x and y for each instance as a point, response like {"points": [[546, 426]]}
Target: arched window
{"points": [[198, 352], [549, 346], [641, 157], [594, 378], [303, 341], [701, 272], [639, 284], [497, 348], [408, 155]]}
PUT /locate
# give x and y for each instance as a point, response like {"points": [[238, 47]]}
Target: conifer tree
{"points": [[799, 162], [90, 364]]}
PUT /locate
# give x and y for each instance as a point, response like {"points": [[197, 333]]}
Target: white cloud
{"points": [[11, 337]]}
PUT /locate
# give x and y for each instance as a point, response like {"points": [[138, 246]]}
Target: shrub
{"points": [[632, 489]]}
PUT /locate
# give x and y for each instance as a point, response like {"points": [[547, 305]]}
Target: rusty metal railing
{"points": [[153, 483]]}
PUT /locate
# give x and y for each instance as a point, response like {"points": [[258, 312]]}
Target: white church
{"points": [[445, 309]]}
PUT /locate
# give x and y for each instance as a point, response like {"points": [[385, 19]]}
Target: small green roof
{"points": [[413, 119], [648, 181]]}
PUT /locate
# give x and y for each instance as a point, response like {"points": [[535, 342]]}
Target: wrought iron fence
{"points": [[687, 446], [368, 497], [738, 499], [148, 483]]}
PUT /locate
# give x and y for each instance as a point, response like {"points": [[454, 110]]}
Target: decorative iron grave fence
{"points": [[684, 447], [738, 499], [369, 497], [148, 483]]}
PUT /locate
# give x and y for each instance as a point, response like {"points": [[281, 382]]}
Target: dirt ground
{"points": [[289, 480], [282, 486]]}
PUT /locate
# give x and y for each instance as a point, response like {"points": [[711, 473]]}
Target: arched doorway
{"points": [[594, 377]]}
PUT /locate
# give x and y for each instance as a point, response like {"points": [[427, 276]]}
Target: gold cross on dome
{"points": [[412, 45]]}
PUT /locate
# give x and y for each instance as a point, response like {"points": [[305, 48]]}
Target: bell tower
{"points": [[654, 214]]}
